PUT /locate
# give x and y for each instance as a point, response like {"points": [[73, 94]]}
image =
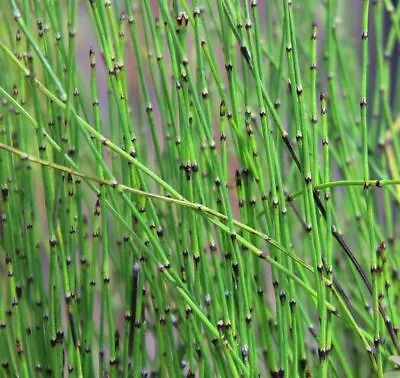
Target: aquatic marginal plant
{"points": [[199, 188]]}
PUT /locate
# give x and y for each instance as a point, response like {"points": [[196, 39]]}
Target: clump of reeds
{"points": [[210, 191]]}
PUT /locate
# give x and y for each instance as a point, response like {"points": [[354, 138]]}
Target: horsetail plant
{"points": [[199, 189]]}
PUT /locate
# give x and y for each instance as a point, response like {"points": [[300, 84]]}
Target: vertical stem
{"points": [[368, 196]]}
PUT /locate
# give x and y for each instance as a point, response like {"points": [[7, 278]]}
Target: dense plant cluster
{"points": [[209, 189]]}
